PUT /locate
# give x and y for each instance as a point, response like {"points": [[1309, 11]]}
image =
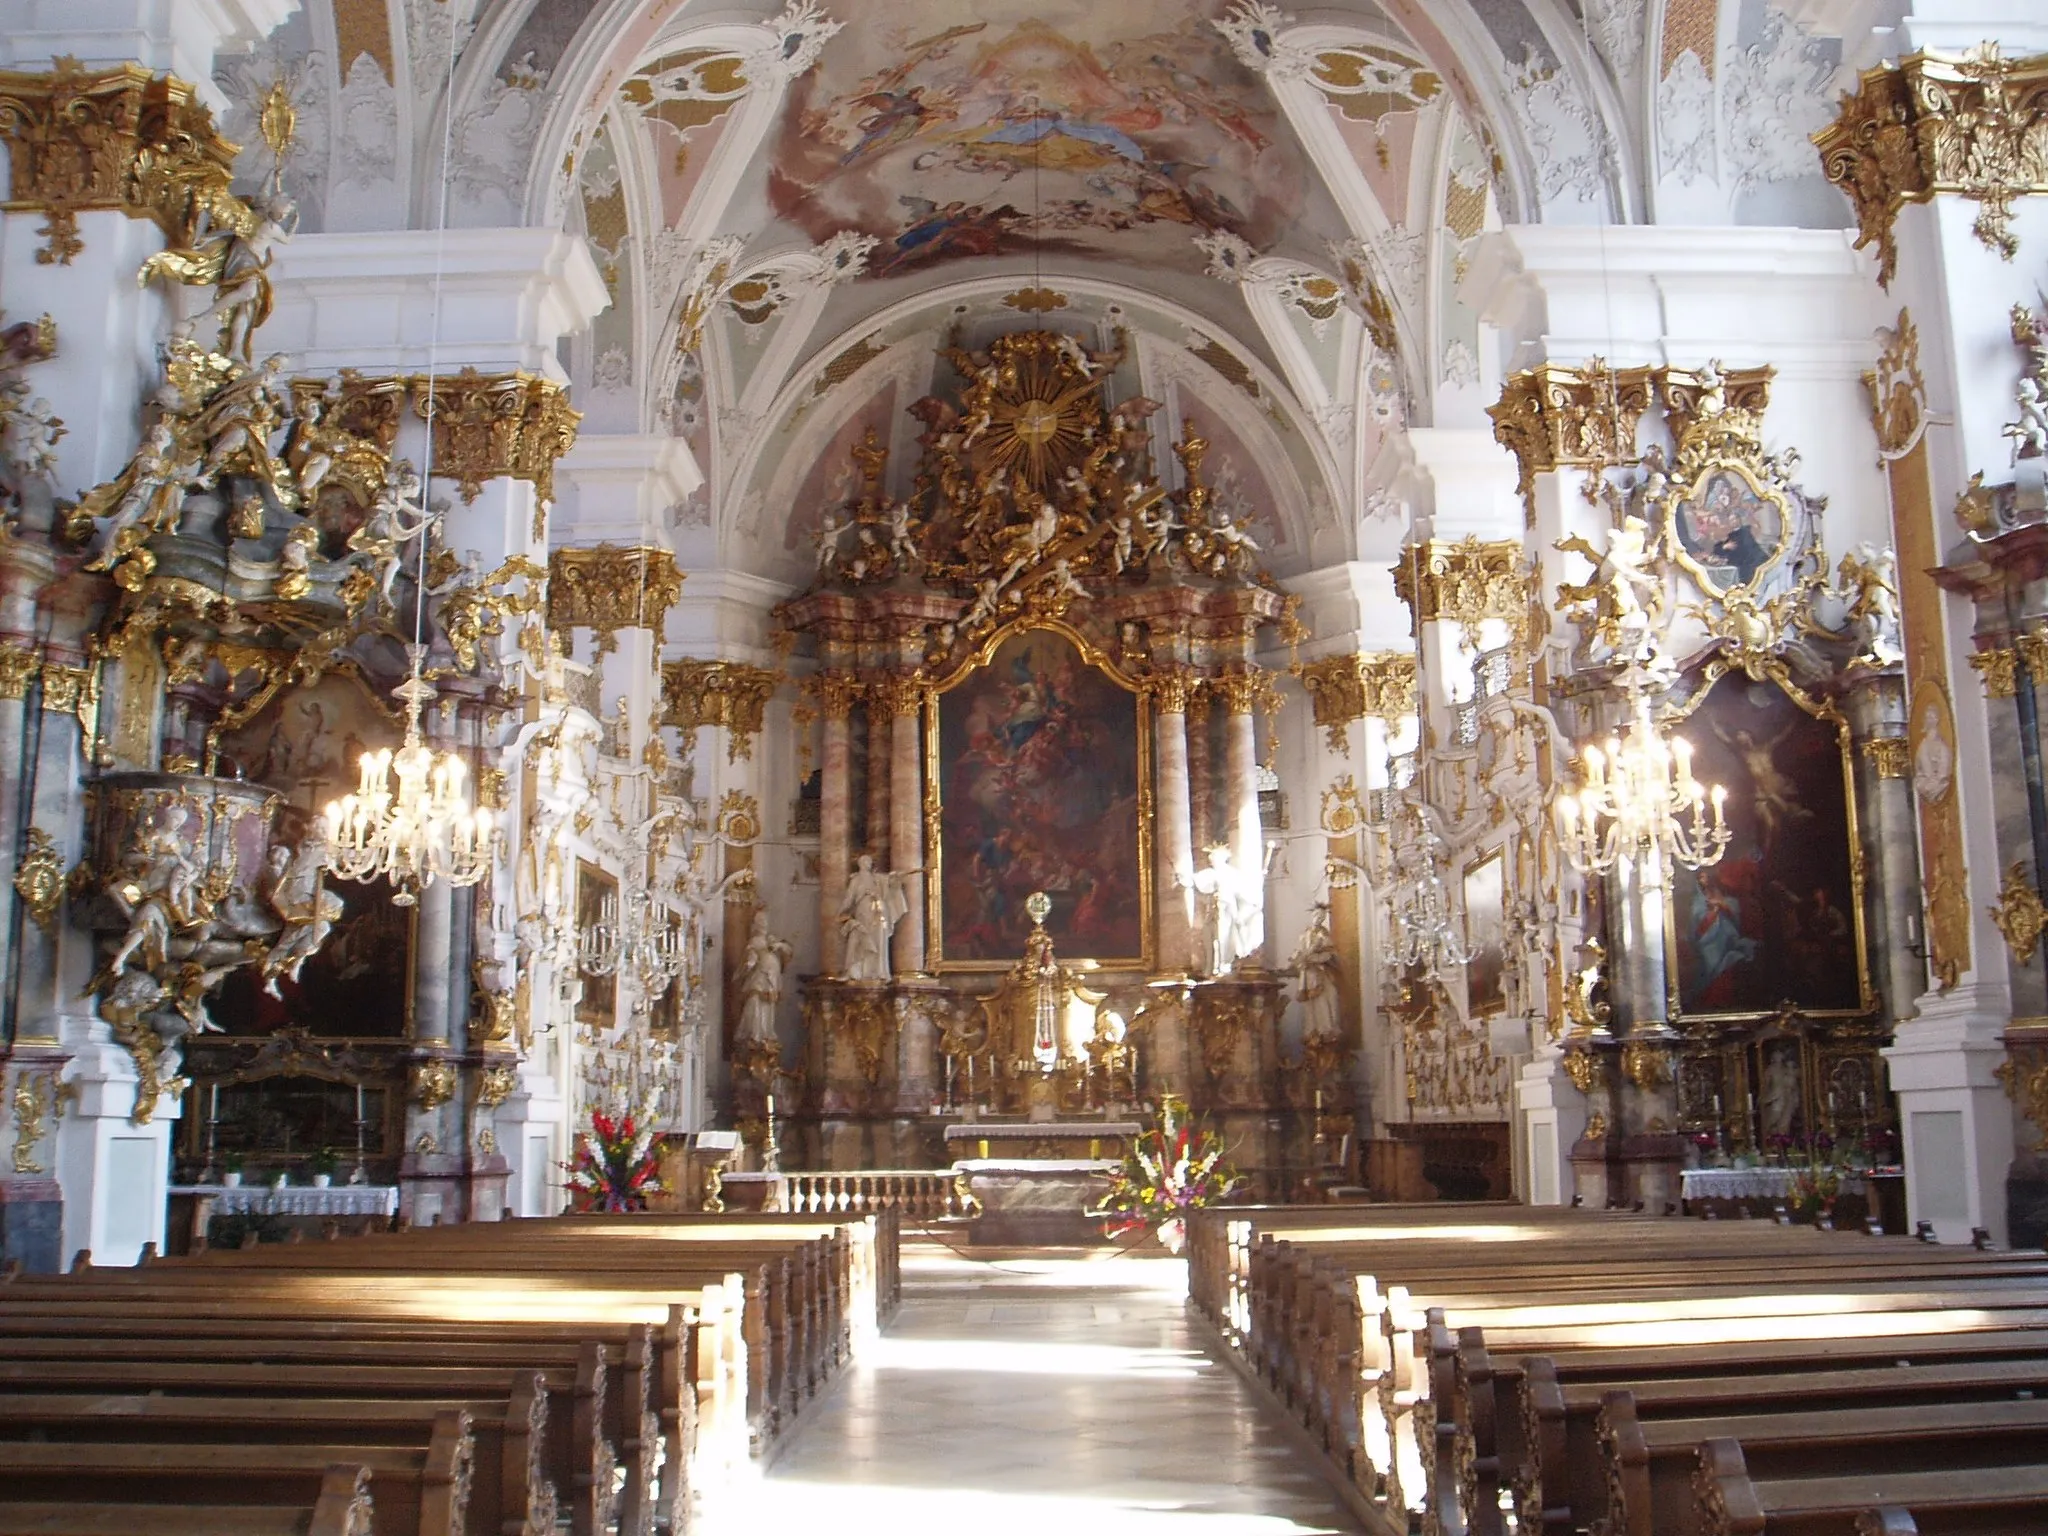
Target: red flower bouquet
{"points": [[615, 1168]]}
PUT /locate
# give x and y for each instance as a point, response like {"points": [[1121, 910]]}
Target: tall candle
{"points": [[213, 1111], [359, 1104]]}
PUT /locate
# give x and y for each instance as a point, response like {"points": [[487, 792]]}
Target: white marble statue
{"points": [[873, 905], [761, 982], [2030, 432], [1868, 581], [1236, 910], [1314, 964]]}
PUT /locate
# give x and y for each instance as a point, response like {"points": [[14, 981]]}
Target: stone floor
{"points": [[1055, 1395]]}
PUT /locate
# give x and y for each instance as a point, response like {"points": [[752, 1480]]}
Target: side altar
{"points": [[1042, 857]]}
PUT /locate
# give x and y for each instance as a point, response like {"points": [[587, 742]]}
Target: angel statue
{"points": [[1314, 964], [873, 904], [396, 518], [235, 259], [147, 497], [1626, 595], [1236, 900], [761, 983], [299, 896], [1868, 581]]}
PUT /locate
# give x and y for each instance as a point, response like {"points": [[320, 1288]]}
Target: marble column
{"points": [[432, 1154], [1201, 773], [835, 809], [906, 820], [880, 766], [1241, 788], [1173, 842]]}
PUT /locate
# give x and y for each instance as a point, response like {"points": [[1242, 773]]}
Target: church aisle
{"points": [[1044, 1395]]}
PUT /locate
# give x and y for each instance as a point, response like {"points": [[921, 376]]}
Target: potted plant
{"points": [[323, 1164], [232, 1176], [1175, 1167]]}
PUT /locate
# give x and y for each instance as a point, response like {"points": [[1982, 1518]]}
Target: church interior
{"points": [[686, 690]]}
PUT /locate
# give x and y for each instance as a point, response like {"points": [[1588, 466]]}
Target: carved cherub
{"points": [[1622, 603], [396, 518], [1867, 580]]}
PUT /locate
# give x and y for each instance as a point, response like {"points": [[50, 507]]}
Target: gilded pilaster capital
{"points": [[731, 694], [837, 693], [1241, 692], [1891, 756], [1998, 670], [1467, 582], [121, 139], [895, 693], [1972, 126], [1354, 685], [488, 425], [1171, 688], [1550, 416], [17, 667], [612, 587]]}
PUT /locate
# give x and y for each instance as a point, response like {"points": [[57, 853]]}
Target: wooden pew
{"points": [[1992, 1501], [341, 1507]]}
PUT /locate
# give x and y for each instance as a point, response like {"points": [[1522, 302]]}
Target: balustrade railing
{"points": [[915, 1194]]}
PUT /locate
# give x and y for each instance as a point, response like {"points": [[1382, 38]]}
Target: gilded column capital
{"points": [[610, 587], [1550, 416], [488, 425], [1998, 670], [1171, 688], [836, 692], [1466, 583], [120, 139], [1745, 392], [897, 693], [1354, 685], [1973, 126], [1241, 692], [731, 694], [1891, 756]]}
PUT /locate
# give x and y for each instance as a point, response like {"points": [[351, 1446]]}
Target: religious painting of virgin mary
{"points": [[1776, 919], [1729, 530], [1039, 762]]}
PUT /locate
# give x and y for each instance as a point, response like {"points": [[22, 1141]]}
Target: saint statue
{"points": [[1236, 910], [761, 982], [873, 905], [1315, 969]]}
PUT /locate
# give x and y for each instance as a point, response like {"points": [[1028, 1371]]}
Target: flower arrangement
{"points": [[1175, 1167], [1815, 1189], [615, 1168]]}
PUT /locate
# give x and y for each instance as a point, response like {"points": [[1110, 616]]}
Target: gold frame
{"points": [[934, 856], [1776, 672], [1495, 855], [1674, 548]]}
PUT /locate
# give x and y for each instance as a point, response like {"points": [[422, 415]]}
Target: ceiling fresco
{"points": [[1086, 129]]}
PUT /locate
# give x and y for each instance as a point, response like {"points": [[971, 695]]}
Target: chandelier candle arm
{"points": [[1638, 796]]}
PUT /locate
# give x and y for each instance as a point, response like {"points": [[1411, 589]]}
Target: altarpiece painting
{"points": [[1041, 762], [1779, 919]]}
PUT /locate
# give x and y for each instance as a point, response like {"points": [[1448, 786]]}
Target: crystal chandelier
{"points": [[409, 819], [1425, 928], [1637, 796], [647, 943]]}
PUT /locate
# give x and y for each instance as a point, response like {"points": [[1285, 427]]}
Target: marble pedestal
{"points": [[1026, 1201]]}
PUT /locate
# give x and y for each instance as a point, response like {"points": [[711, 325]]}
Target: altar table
{"points": [[1042, 1139], [193, 1206], [1026, 1200]]}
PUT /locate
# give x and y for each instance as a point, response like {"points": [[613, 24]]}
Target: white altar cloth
{"points": [[1749, 1183], [296, 1199]]}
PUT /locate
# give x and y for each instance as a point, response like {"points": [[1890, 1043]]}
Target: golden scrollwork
{"points": [[1343, 808], [431, 1083], [18, 664], [1898, 391], [2020, 914], [868, 1025], [1998, 670], [1891, 756], [1465, 583], [609, 587], [734, 695], [1356, 685], [120, 139], [39, 879], [485, 426], [1551, 416], [1646, 1064], [2024, 1072], [1582, 1068], [494, 1085], [1975, 126], [1582, 1010], [32, 1105]]}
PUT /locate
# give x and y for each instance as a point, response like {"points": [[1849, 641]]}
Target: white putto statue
{"points": [[1236, 902], [1315, 969], [761, 982], [873, 905]]}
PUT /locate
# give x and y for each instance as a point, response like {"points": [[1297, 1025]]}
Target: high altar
{"points": [[1044, 668]]}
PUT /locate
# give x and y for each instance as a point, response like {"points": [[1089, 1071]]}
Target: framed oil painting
{"points": [[1728, 531], [355, 986], [1041, 759], [1779, 919], [1486, 936]]}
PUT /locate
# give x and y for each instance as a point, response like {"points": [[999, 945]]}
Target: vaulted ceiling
{"points": [[794, 205]]}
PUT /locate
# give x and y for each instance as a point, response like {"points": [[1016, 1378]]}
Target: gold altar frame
{"points": [[1772, 671], [934, 852]]}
